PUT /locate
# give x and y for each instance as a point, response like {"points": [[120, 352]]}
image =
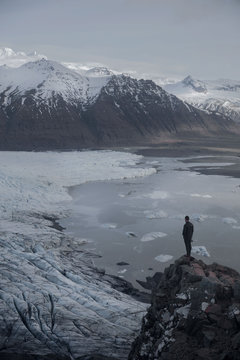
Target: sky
{"points": [[170, 38]]}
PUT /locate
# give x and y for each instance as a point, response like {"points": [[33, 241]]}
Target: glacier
{"points": [[53, 300]]}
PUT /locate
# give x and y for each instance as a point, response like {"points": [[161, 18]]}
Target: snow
{"points": [[49, 79], [50, 293], [163, 258], [152, 236], [221, 96]]}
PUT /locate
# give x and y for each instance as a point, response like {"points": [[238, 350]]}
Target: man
{"points": [[187, 235]]}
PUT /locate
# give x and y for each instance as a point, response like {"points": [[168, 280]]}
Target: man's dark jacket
{"points": [[188, 231]]}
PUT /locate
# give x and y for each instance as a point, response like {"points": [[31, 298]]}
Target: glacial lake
{"points": [[139, 221]]}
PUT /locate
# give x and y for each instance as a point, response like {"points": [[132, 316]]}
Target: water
{"points": [[140, 221]]}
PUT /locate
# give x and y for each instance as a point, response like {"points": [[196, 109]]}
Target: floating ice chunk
{"points": [[205, 196], [163, 258], [200, 250], [200, 217], [122, 271], [109, 226], [152, 236], [151, 214], [229, 220]]}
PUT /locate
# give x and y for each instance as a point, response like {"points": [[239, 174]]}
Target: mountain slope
{"points": [[219, 96], [140, 110], [44, 105]]}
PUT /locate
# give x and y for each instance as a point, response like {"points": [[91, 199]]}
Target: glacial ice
{"points": [[52, 298]]}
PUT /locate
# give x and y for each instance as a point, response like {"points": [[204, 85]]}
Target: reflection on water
{"points": [[139, 221]]}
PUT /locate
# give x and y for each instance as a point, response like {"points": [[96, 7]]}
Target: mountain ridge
{"points": [[45, 105]]}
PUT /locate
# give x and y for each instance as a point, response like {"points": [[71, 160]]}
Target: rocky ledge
{"points": [[194, 314]]}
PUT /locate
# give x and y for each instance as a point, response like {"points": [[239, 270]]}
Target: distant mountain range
{"points": [[45, 105], [218, 96]]}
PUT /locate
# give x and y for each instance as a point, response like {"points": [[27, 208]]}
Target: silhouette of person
{"points": [[187, 234]]}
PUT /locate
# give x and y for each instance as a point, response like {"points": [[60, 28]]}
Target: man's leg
{"points": [[188, 246]]}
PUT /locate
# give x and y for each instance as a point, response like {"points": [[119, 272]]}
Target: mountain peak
{"points": [[196, 85], [99, 71], [6, 52]]}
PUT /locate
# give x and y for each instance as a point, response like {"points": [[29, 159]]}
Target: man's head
{"points": [[186, 218]]}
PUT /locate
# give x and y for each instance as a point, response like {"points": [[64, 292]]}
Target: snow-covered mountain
{"points": [[218, 96], [44, 104], [47, 81], [15, 59], [99, 71]]}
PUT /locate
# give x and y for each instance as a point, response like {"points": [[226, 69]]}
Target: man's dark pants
{"points": [[188, 246]]}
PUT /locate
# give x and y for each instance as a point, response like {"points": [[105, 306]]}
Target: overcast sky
{"points": [[167, 37]]}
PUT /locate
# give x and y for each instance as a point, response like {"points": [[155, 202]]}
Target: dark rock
{"points": [[236, 341], [194, 315], [15, 356], [236, 290], [151, 282], [122, 263]]}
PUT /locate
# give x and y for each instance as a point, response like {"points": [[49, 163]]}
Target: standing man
{"points": [[187, 234]]}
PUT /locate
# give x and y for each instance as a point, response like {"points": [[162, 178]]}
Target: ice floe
{"points": [[122, 271], [163, 258], [229, 220], [152, 236], [200, 250]]}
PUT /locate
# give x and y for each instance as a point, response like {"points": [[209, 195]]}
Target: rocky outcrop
{"points": [[194, 315]]}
